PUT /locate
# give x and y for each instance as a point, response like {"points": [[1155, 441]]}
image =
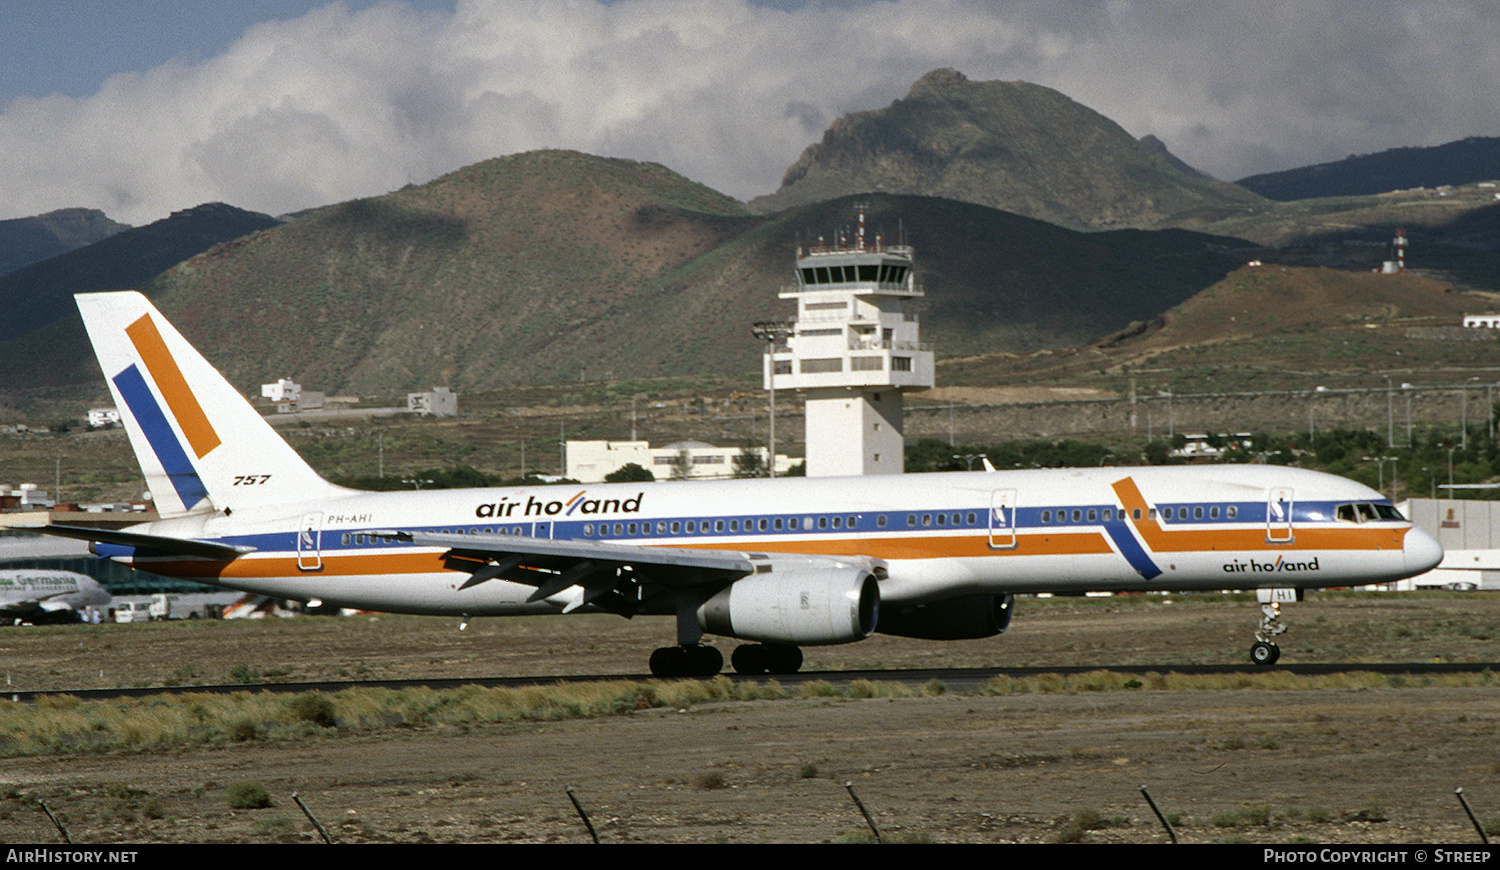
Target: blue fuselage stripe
{"points": [[1119, 532]]}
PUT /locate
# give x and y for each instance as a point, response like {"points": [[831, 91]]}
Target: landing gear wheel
{"points": [[1265, 654], [768, 658], [686, 661]]}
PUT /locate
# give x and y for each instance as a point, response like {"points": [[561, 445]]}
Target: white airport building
{"points": [[590, 461], [851, 352], [1469, 530], [437, 402]]}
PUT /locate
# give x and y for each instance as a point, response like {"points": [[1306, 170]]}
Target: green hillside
{"points": [[551, 267]]}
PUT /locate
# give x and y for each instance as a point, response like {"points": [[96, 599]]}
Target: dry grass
{"points": [[66, 723]]}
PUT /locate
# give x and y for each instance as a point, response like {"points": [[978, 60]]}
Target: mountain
{"points": [[533, 267], [24, 241], [557, 266], [1013, 146], [1463, 162], [38, 294]]}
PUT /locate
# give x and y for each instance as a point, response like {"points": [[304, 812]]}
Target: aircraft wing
{"points": [[22, 610], [39, 610], [613, 577]]}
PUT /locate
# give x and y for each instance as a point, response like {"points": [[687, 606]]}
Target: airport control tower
{"points": [[851, 350]]}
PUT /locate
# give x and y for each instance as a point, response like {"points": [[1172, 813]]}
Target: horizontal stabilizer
{"points": [[176, 546]]}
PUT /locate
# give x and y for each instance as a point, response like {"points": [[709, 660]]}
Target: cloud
{"points": [[340, 103]]}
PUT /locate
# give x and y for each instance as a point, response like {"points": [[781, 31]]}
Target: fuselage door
{"points": [[1003, 519], [1279, 515], [309, 542]]}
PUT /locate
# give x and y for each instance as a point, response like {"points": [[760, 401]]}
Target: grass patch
{"points": [[60, 724]]}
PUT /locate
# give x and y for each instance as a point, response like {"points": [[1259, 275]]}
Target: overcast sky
{"points": [[142, 107]]}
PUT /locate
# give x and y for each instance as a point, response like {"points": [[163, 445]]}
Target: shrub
{"points": [[247, 796], [313, 707]]}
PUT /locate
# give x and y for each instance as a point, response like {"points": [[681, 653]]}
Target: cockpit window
{"points": [[1367, 512]]}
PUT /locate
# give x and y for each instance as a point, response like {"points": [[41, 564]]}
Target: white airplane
{"points": [[44, 597], [784, 563]]}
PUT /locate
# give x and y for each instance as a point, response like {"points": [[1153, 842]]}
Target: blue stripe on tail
{"points": [[174, 460]]}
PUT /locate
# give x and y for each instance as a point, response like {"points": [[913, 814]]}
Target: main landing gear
{"points": [[1264, 651], [766, 658], [699, 660], [687, 660], [692, 658]]}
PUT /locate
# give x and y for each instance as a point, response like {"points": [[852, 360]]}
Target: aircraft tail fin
{"points": [[202, 447]]}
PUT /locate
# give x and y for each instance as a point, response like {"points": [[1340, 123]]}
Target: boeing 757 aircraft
{"points": [[782, 563]]}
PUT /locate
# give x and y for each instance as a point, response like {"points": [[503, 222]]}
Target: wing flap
{"points": [[614, 577]]}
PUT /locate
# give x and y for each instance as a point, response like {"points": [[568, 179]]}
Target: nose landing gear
{"points": [[1264, 651]]}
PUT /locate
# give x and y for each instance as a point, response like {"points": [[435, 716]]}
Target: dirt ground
{"points": [[1334, 765]]}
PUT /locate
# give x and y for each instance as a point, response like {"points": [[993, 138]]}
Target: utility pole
{"points": [[772, 332]]}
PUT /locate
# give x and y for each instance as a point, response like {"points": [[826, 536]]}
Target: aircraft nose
{"points": [[1423, 552]]}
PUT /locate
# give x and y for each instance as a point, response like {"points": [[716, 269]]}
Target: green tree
{"points": [[748, 463], [630, 472]]}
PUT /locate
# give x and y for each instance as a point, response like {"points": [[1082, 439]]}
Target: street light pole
{"points": [[1406, 388], [771, 332], [1390, 418]]}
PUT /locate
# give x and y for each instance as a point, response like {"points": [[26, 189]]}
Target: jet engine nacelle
{"points": [[802, 603], [967, 618]]}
